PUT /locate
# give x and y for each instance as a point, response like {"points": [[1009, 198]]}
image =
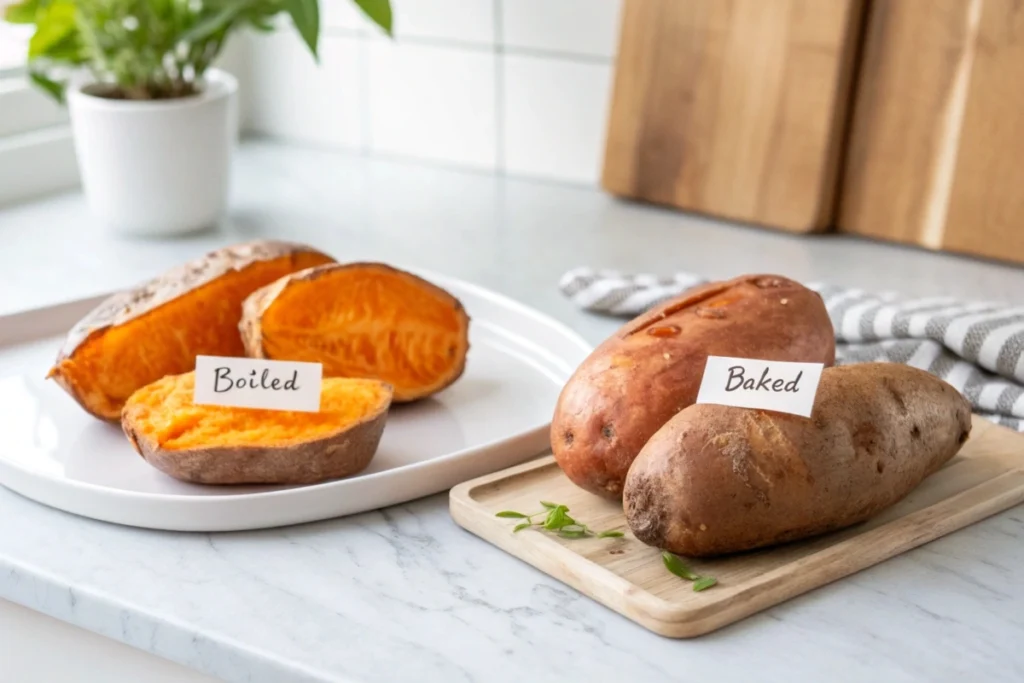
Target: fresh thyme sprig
{"points": [[557, 519], [675, 565]]}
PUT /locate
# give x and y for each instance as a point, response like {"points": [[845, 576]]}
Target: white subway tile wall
{"points": [[574, 27], [555, 114], [509, 86], [294, 98], [432, 102]]}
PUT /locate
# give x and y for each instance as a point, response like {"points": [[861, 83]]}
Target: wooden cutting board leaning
{"points": [[937, 136], [734, 109]]}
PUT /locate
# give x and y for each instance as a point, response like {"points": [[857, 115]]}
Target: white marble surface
{"points": [[403, 594]]}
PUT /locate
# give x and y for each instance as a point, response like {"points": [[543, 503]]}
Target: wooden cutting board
{"points": [[937, 138], [986, 477], [734, 108]]}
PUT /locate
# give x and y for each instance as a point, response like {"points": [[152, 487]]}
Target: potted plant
{"points": [[154, 124]]}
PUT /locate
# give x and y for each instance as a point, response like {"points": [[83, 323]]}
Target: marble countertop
{"points": [[403, 594]]}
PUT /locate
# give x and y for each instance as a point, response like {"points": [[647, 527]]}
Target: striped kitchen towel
{"points": [[978, 347]]}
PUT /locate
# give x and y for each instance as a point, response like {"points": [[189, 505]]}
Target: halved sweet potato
{"points": [[221, 445], [362, 320], [158, 328]]}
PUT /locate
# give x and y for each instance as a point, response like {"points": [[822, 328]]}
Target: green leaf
{"points": [[678, 567], [549, 506], [22, 13], [611, 533], [558, 518], [55, 23], [213, 24], [704, 582], [379, 12], [261, 24], [524, 525], [53, 88], [565, 533], [306, 17], [510, 514], [69, 50]]}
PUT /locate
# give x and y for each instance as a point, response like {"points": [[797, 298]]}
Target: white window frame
{"points": [[37, 154]]}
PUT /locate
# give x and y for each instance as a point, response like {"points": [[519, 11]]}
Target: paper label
{"points": [[254, 383], [767, 384]]}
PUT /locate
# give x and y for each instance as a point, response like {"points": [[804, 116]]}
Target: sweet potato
{"points": [[158, 328], [222, 445], [718, 479], [362, 320], [652, 367]]}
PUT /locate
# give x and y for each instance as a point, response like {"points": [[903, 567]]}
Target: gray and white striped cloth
{"points": [[978, 347]]}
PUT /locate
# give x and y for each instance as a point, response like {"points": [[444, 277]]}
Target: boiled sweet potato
{"points": [[158, 328], [223, 445], [652, 367], [719, 479], [362, 320]]}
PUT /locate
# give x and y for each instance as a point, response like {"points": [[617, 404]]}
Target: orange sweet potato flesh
{"points": [[157, 329], [225, 445], [362, 320]]}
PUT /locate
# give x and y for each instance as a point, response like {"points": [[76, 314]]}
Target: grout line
{"points": [[540, 53], [365, 85], [498, 47], [499, 89], [343, 32]]}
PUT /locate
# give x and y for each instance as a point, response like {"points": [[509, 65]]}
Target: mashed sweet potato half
{"points": [[362, 320], [157, 329], [224, 445]]}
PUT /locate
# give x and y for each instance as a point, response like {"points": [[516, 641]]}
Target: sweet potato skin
{"points": [[718, 479], [642, 375], [134, 304], [257, 304], [344, 453]]}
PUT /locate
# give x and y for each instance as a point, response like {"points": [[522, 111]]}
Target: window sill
{"points": [[37, 163]]}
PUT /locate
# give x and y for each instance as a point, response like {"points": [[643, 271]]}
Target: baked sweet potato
{"points": [[652, 367], [362, 320], [158, 328], [224, 445], [718, 479]]}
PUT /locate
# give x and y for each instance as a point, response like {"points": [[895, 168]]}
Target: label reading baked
{"points": [[254, 383], [767, 384]]}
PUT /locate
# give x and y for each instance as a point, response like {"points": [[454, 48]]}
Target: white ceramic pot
{"points": [[157, 168]]}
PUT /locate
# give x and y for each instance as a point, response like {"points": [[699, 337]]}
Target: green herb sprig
{"points": [[675, 565], [557, 519]]}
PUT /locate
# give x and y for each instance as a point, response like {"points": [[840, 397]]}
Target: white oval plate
{"points": [[496, 415]]}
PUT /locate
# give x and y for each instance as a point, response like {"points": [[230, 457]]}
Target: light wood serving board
{"points": [[986, 477]]}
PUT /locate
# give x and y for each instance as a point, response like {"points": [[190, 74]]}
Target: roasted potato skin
{"points": [[651, 368], [718, 479]]}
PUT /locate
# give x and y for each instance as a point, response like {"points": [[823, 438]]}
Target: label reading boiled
{"points": [[767, 384], [253, 383]]}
